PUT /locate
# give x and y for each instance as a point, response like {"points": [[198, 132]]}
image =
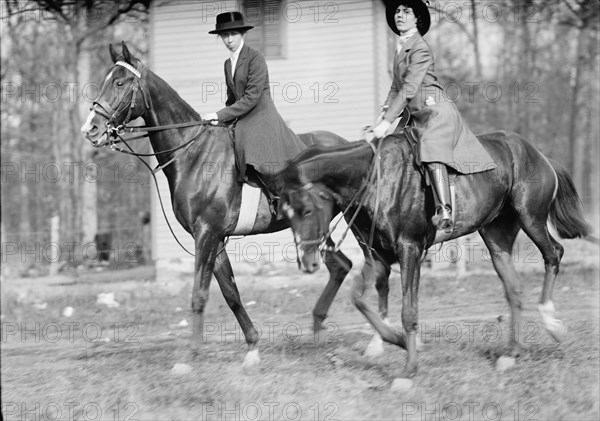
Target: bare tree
{"points": [[79, 24]]}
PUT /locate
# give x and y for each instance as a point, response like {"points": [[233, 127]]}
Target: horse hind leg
{"points": [[552, 253], [339, 266], [499, 237], [549, 191]]}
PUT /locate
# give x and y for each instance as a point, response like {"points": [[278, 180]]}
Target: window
{"points": [[267, 18]]}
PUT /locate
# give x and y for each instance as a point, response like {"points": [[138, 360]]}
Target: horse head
{"points": [[123, 97], [309, 207]]}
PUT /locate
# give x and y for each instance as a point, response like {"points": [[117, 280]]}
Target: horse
{"points": [[394, 211], [206, 207]]}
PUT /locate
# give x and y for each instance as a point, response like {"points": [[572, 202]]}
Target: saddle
{"points": [[411, 133]]}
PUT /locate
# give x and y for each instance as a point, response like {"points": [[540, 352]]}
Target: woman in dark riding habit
{"points": [[263, 142], [445, 140]]}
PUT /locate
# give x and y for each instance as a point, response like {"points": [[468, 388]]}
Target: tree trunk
{"points": [[89, 190], [476, 39], [574, 142]]}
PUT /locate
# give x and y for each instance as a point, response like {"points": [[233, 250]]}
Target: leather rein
{"points": [[373, 176]]}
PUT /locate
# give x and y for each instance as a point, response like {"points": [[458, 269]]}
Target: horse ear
{"points": [[126, 53], [113, 53]]}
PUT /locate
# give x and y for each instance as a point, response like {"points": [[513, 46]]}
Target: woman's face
{"points": [[405, 19], [232, 40]]}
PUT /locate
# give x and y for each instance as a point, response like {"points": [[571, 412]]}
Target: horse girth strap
{"points": [[377, 175]]}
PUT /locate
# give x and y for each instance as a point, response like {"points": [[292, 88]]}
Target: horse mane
{"points": [[298, 170], [139, 64], [173, 92], [305, 166]]}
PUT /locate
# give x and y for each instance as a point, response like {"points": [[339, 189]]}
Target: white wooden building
{"points": [[328, 64]]}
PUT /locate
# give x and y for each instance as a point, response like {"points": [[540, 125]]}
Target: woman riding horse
{"points": [[263, 140], [444, 137]]}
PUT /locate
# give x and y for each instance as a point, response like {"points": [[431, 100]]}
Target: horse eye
{"points": [[307, 212], [119, 83]]}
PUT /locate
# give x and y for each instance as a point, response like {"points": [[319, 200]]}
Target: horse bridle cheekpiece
{"points": [[106, 110], [309, 188]]}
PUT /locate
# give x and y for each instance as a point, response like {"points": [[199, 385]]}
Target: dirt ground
{"points": [[120, 361]]}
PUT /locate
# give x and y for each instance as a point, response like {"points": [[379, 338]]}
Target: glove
{"points": [[381, 128], [212, 116]]}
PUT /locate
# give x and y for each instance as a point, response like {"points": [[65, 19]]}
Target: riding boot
{"points": [[272, 198], [438, 173]]}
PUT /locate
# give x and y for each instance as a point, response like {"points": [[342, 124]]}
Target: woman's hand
{"points": [[213, 117], [381, 128]]}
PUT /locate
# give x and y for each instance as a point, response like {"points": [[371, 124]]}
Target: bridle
{"points": [[358, 199], [310, 190], [106, 110]]}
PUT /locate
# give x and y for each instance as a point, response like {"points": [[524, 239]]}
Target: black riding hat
{"points": [[230, 21], [419, 8]]}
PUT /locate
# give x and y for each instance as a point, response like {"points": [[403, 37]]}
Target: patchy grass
{"points": [[115, 363]]}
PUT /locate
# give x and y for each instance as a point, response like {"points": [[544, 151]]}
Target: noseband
{"points": [[310, 189], [107, 111]]}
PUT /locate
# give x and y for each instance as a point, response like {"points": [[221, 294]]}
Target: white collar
{"points": [[406, 36], [234, 55]]}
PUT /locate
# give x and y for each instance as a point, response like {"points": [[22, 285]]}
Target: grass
{"points": [[300, 377]]}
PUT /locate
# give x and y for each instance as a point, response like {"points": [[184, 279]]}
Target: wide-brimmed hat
{"points": [[230, 21], [419, 8]]}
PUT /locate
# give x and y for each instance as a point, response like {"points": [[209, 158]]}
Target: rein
{"points": [[373, 176]]}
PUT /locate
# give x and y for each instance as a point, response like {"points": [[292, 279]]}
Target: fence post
{"points": [[54, 240]]}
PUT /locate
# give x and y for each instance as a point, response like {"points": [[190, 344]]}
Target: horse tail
{"points": [[566, 210]]}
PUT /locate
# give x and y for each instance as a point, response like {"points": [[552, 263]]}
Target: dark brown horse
{"points": [[207, 208], [523, 192]]}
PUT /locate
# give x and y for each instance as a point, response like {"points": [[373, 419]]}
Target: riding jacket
{"points": [[262, 139], [443, 135]]}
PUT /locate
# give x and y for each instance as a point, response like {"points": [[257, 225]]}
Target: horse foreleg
{"points": [[374, 268], [375, 347], [410, 269], [339, 266], [224, 274], [499, 237], [206, 247]]}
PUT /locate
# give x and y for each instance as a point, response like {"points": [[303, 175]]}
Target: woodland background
{"points": [[54, 52]]}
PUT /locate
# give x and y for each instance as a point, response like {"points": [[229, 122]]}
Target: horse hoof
{"points": [[516, 350], [420, 345], [504, 363], [375, 347], [401, 385], [181, 369], [558, 331], [407, 373], [318, 325], [252, 359], [554, 326]]}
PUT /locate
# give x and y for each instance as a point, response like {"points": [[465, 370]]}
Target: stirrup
{"points": [[273, 204], [443, 217]]}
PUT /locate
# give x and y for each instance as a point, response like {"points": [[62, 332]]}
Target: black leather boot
{"points": [[272, 198], [438, 173]]}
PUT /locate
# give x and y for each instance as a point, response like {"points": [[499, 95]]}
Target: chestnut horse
{"points": [[206, 207], [522, 192]]}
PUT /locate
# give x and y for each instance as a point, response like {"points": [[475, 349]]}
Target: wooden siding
{"points": [[333, 77]]}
